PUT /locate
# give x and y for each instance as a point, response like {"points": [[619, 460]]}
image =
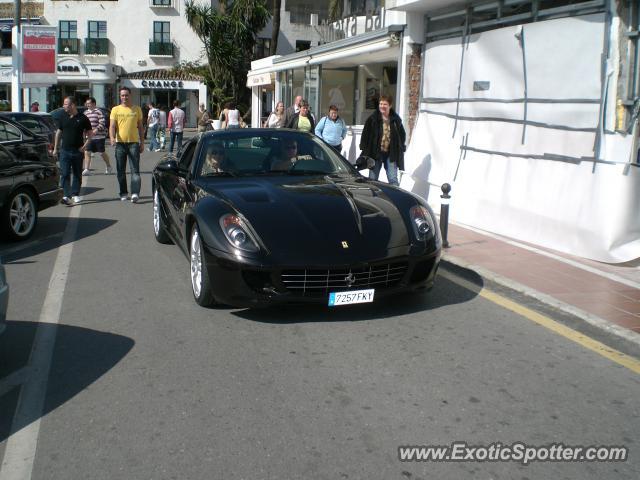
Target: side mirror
{"points": [[170, 165], [363, 162]]}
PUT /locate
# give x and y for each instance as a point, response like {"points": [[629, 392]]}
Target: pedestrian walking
{"points": [[303, 120], [74, 129], [204, 120], [293, 109], [332, 129], [233, 116], [383, 139], [277, 118], [162, 127], [153, 123], [176, 126], [126, 132], [99, 128]]}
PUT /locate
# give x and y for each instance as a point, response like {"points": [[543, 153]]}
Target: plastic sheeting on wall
{"points": [[537, 180]]}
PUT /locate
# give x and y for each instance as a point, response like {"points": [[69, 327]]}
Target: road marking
{"points": [[620, 358], [21, 446]]}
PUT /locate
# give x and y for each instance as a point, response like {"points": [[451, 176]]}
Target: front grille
{"points": [[328, 280]]}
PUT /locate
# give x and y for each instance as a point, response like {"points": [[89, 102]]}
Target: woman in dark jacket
{"points": [[383, 140], [304, 124]]}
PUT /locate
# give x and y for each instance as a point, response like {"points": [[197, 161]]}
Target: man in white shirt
{"points": [[153, 123], [176, 126]]}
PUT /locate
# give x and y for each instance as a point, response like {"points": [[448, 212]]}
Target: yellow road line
{"points": [[620, 358]]}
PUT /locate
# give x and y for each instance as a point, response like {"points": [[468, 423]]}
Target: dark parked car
{"points": [[4, 298], [40, 123], [29, 179], [275, 215]]}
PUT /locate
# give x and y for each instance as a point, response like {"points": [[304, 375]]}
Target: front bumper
{"points": [[244, 285]]}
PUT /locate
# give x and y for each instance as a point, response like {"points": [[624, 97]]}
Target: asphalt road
{"points": [[144, 384]]}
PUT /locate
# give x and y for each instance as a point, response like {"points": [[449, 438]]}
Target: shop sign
{"points": [[258, 80], [352, 26], [6, 74], [71, 67], [39, 54], [162, 84]]}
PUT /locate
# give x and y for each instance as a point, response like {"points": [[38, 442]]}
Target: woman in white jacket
{"points": [[277, 118]]}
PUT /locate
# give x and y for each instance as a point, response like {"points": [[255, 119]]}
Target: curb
{"points": [[593, 320]]}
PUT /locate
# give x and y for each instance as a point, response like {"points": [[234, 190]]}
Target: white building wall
{"points": [[129, 29]]}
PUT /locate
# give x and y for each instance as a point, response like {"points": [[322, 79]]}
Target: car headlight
{"points": [[238, 233], [421, 222]]}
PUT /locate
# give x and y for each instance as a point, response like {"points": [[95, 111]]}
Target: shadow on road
{"points": [[444, 293], [48, 236], [81, 356]]}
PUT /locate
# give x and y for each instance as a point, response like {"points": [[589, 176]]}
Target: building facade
{"points": [[527, 108]]}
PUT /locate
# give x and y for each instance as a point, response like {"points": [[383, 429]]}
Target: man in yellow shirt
{"points": [[127, 134]]}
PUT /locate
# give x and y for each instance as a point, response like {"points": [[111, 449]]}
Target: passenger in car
{"points": [[215, 161]]}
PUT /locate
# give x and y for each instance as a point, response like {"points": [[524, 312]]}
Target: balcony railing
{"points": [[69, 46], [96, 46], [161, 49], [161, 3]]}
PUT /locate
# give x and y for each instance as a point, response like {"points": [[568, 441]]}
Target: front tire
{"points": [[200, 284], [159, 227], [20, 215]]}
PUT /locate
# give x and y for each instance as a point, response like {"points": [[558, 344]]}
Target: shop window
{"points": [[5, 43], [161, 44], [97, 42], [68, 37], [483, 16], [302, 45], [363, 7], [262, 48]]}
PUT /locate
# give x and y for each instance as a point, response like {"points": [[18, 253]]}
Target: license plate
{"points": [[349, 298]]}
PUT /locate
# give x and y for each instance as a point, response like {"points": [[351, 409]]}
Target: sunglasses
{"points": [[217, 152]]}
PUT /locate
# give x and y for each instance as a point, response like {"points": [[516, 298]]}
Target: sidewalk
{"points": [[606, 296]]}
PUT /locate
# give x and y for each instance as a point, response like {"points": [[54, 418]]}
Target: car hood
{"points": [[322, 219]]}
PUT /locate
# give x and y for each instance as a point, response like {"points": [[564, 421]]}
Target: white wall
{"points": [[518, 185], [129, 29]]}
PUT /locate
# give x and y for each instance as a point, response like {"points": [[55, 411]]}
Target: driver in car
{"points": [[289, 157], [214, 160]]}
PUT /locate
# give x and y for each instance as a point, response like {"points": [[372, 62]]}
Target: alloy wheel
{"points": [[196, 263], [22, 214]]}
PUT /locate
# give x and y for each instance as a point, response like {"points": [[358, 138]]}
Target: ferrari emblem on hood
{"points": [[345, 244]]}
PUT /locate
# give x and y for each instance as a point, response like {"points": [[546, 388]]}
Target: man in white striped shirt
{"points": [[99, 127]]}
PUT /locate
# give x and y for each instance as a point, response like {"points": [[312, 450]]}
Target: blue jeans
{"points": [[390, 167], [71, 161], [131, 150], [153, 135], [175, 136]]}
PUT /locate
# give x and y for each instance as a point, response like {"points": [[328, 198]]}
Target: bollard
{"points": [[444, 213]]}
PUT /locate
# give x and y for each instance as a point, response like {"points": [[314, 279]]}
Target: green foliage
{"points": [[228, 34]]}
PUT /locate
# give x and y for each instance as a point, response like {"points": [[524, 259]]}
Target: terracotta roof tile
{"points": [[162, 74]]}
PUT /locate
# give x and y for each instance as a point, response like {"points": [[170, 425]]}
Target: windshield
{"points": [[267, 152]]}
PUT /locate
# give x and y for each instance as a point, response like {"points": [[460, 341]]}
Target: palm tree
{"points": [[275, 31], [228, 32]]}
